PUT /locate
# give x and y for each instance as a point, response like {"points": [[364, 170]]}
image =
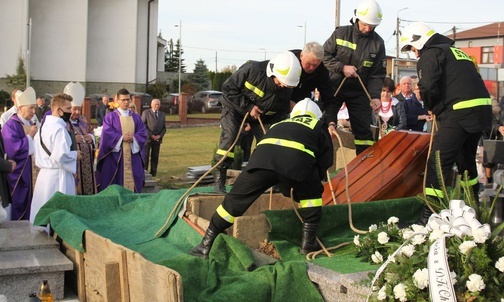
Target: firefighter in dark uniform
{"points": [[453, 90], [351, 51], [294, 153], [261, 88], [313, 76]]}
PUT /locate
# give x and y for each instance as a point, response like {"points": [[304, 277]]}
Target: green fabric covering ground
{"points": [[133, 220], [286, 230]]}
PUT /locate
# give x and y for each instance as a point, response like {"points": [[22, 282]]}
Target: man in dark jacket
{"points": [[295, 153], [357, 51], [313, 76], [6, 166], [263, 89], [452, 89]]}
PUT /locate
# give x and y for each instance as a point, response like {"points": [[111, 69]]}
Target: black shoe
{"points": [[424, 216], [203, 249], [309, 242], [220, 181]]}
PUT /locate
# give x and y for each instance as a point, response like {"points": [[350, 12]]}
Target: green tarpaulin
{"points": [[148, 223]]}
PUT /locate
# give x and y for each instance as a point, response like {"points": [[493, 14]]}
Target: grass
{"points": [[185, 147]]}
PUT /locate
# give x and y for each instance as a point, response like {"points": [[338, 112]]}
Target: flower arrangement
{"points": [[475, 259], [97, 133]]}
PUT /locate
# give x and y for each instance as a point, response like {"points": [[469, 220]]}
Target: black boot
{"points": [[309, 242], [203, 249], [220, 181], [425, 214]]}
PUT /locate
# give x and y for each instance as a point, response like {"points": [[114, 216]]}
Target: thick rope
{"points": [[158, 233], [431, 140]]}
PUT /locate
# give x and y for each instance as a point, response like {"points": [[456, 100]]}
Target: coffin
{"points": [[392, 168]]}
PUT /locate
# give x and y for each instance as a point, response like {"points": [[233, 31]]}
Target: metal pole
{"points": [[398, 21], [28, 54], [304, 34]]}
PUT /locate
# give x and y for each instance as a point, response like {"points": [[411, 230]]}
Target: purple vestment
{"points": [[110, 167], [20, 180]]}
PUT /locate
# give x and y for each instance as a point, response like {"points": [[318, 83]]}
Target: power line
{"points": [[453, 22]]}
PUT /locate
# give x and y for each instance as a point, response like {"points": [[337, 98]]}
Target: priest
{"points": [[120, 155], [85, 183], [18, 133]]}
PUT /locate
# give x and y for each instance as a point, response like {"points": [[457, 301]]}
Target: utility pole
{"points": [[454, 29], [337, 13], [397, 32], [215, 62]]}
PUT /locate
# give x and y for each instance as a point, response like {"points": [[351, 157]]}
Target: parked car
{"points": [[170, 103], [207, 101], [145, 100]]}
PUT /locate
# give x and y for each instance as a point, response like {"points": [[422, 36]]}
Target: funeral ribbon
{"points": [[460, 220]]}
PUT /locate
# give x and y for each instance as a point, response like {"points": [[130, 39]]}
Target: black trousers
{"points": [[230, 124], [251, 184], [360, 114], [455, 145], [151, 150]]}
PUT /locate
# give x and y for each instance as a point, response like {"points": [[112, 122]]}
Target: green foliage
{"points": [[218, 79], [4, 96], [18, 80], [157, 90], [199, 78], [172, 54]]}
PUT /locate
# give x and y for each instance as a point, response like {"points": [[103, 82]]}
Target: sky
{"points": [[229, 32]]}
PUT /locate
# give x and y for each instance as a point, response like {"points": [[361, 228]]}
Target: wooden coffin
{"points": [[392, 168]]}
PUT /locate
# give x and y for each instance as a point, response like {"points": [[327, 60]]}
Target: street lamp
{"points": [[180, 56], [397, 31], [304, 33]]}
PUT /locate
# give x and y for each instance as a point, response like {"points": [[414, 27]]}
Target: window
{"points": [[487, 55]]}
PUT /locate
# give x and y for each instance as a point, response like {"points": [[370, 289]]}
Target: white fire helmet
{"points": [[306, 107], [416, 35], [286, 68], [369, 12]]}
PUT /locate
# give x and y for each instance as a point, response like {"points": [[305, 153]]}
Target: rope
{"points": [[431, 140], [158, 233]]}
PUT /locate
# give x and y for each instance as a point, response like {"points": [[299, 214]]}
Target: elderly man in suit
{"points": [[155, 123]]}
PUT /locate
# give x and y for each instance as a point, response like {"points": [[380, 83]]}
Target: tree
{"points": [[218, 79], [172, 55], [19, 79], [199, 78]]}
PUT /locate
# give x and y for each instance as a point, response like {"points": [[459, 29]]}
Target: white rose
{"points": [[500, 264], [418, 239], [400, 292], [373, 228], [480, 235], [407, 233], [435, 235], [383, 238], [466, 246], [356, 240], [408, 250], [382, 294], [421, 278], [377, 257], [419, 228], [475, 283], [393, 220]]}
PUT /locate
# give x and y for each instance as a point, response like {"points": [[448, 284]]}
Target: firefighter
{"points": [[261, 88], [313, 76], [351, 51], [294, 153], [453, 90]]}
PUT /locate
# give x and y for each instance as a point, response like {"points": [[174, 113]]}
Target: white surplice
{"points": [[56, 171]]}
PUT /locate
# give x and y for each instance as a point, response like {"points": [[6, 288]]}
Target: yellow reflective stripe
{"points": [[459, 54], [225, 214], [434, 192], [286, 143], [367, 63], [363, 142], [311, 203], [254, 89], [472, 103], [302, 120], [348, 44], [470, 182], [223, 152]]}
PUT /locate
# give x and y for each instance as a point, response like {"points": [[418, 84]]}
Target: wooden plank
{"points": [[123, 274], [152, 282], [75, 279], [112, 282]]}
